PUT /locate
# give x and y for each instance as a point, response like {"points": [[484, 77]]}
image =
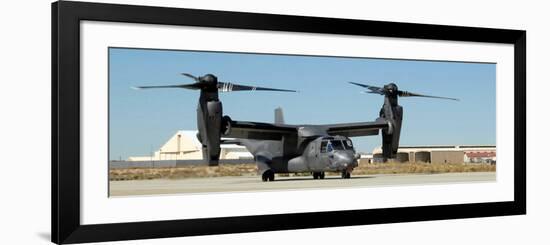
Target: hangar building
{"points": [[184, 145], [442, 154]]}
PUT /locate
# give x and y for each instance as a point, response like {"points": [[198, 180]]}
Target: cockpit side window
{"points": [[324, 146], [349, 144]]}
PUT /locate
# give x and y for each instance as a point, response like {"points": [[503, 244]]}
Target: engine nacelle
{"points": [[390, 137], [214, 110], [209, 115]]}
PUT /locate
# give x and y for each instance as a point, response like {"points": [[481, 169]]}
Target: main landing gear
{"points": [[318, 175], [268, 176]]}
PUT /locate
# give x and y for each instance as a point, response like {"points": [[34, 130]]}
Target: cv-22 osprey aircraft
{"points": [[284, 148]]}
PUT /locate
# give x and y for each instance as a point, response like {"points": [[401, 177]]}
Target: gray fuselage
{"points": [[319, 154]]}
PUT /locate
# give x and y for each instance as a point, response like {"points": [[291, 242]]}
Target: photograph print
{"points": [[192, 121]]}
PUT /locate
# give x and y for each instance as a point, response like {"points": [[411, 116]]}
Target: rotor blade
{"points": [[191, 76], [193, 86], [368, 92], [409, 94], [373, 89], [229, 87]]}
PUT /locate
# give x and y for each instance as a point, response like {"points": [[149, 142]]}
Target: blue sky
{"points": [[142, 120]]}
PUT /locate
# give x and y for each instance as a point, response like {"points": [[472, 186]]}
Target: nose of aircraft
{"points": [[343, 158]]}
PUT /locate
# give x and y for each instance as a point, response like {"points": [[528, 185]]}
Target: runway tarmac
{"points": [[253, 183]]}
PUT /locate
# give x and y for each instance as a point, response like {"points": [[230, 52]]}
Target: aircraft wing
{"points": [[269, 131], [259, 130], [357, 129]]}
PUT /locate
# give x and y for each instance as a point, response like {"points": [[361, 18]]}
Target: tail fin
{"points": [[279, 119]]}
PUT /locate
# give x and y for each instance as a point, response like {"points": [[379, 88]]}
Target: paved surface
{"points": [[253, 183]]}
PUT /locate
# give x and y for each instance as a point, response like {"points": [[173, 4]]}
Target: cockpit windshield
{"points": [[337, 144], [331, 145]]}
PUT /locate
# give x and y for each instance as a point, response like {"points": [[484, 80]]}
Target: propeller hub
{"points": [[209, 78], [208, 82], [391, 88]]}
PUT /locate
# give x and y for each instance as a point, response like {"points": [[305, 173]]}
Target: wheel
{"points": [[346, 174], [315, 175], [271, 176], [318, 175], [268, 176]]}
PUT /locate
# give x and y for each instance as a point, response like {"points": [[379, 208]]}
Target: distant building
{"points": [[480, 157], [365, 158], [184, 145], [442, 154]]}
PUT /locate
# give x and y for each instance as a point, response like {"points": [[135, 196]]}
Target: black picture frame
{"points": [[66, 17]]}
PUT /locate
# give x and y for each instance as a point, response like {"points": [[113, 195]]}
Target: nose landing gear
{"points": [[346, 174]]}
